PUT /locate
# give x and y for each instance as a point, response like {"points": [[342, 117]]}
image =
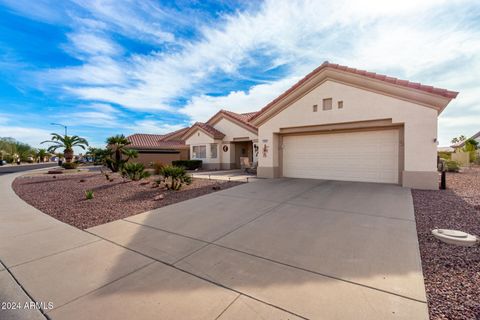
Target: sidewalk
{"points": [[57, 264]]}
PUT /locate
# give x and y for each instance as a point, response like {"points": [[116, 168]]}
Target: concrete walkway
{"points": [[225, 175], [273, 249]]}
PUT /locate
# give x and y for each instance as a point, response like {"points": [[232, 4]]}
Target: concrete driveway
{"points": [[271, 249]]}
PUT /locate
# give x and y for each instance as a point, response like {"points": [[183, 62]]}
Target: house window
{"points": [[340, 104], [213, 150], [327, 104], [199, 152], [315, 108]]}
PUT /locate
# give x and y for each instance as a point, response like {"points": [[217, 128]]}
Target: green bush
{"points": [[175, 177], [69, 165], [188, 164], [452, 166], [445, 155], [134, 171], [89, 194]]}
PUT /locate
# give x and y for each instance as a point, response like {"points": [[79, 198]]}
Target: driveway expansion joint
{"points": [[40, 309], [196, 276], [263, 258]]}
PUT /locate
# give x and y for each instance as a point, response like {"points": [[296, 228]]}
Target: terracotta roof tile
{"points": [[208, 128], [152, 141], [404, 83], [242, 117]]}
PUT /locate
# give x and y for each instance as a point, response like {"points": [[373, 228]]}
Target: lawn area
{"points": [[62, 196], [452, 274]]}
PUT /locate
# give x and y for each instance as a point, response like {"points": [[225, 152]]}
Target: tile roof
{"points": [[175, 134], [211, 130], [462, 143], [153, 141], [242, 117], [404, 83]]}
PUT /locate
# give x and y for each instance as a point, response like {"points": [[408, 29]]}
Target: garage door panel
{"points": [[358, 156]]}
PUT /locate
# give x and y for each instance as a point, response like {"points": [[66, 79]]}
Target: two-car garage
{"points": [[370, 156], [340, 123]]}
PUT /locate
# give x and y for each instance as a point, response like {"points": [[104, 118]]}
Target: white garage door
{"points": [[370, 156]]}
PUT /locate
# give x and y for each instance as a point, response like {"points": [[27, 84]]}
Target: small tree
{"points": [[67, 143], [459, 139], [175, 177], [471, 146], [117, 145]]}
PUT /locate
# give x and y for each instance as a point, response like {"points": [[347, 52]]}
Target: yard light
{"points": [[59, 124]]}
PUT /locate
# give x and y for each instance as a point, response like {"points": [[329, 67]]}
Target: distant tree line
{"points": [[12, 150]]}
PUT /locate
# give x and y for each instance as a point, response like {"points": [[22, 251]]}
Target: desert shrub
{"points": [[452, 166], [445, 155], [134, 171], [175, 177], [69, 165], [188, 164], [157, 167], [89, 194]]}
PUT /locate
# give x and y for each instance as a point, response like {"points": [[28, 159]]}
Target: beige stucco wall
{"points": [[233, 130], [420, 123], [165, 158], [200, 138], [463, 158]]}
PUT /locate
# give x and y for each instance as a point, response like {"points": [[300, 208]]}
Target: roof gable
{"points": [[240, 119], [206, 128], [414, 92]]}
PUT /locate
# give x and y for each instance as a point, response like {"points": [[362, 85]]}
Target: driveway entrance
{"points": [[269, 249], [291, 248]]}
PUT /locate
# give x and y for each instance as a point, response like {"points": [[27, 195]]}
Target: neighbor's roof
{"points": [[404, 83], [153, 141], [216, 134], [462, 143]]}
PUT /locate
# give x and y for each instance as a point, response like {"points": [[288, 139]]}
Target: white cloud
{"points": [[431, 41], [201, 108], [130, 18], [154, 127], [32, 136], [96, 114], [88, 43]]}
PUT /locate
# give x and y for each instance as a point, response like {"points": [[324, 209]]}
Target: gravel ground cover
{"points": [[452, 274], [63, 197]]}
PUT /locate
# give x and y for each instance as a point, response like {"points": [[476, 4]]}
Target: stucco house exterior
{"points": [[336, 123]]}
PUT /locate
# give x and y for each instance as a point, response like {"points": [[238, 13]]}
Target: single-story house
{"points": [[159, 148], [461, 144], [336, 123]]}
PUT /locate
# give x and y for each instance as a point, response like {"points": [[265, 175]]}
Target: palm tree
{"points": [[118, 147], [130, 153], [41, 154], [67, 143], [118, 144]]}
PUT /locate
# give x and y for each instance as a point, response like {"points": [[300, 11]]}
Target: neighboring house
{"points": [[337, 123], [461, 144], [159, 148]]}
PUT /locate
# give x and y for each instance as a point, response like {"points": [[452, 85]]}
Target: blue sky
{"points": [[109, 67]]}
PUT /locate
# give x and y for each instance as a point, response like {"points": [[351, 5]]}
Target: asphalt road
{"points": [[24, 167]]}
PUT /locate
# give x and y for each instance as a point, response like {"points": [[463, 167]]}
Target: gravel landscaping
{"points": [[63, 196], [452, 274]]}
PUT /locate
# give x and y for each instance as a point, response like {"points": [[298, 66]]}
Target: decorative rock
{"points": [[159, 197]]}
